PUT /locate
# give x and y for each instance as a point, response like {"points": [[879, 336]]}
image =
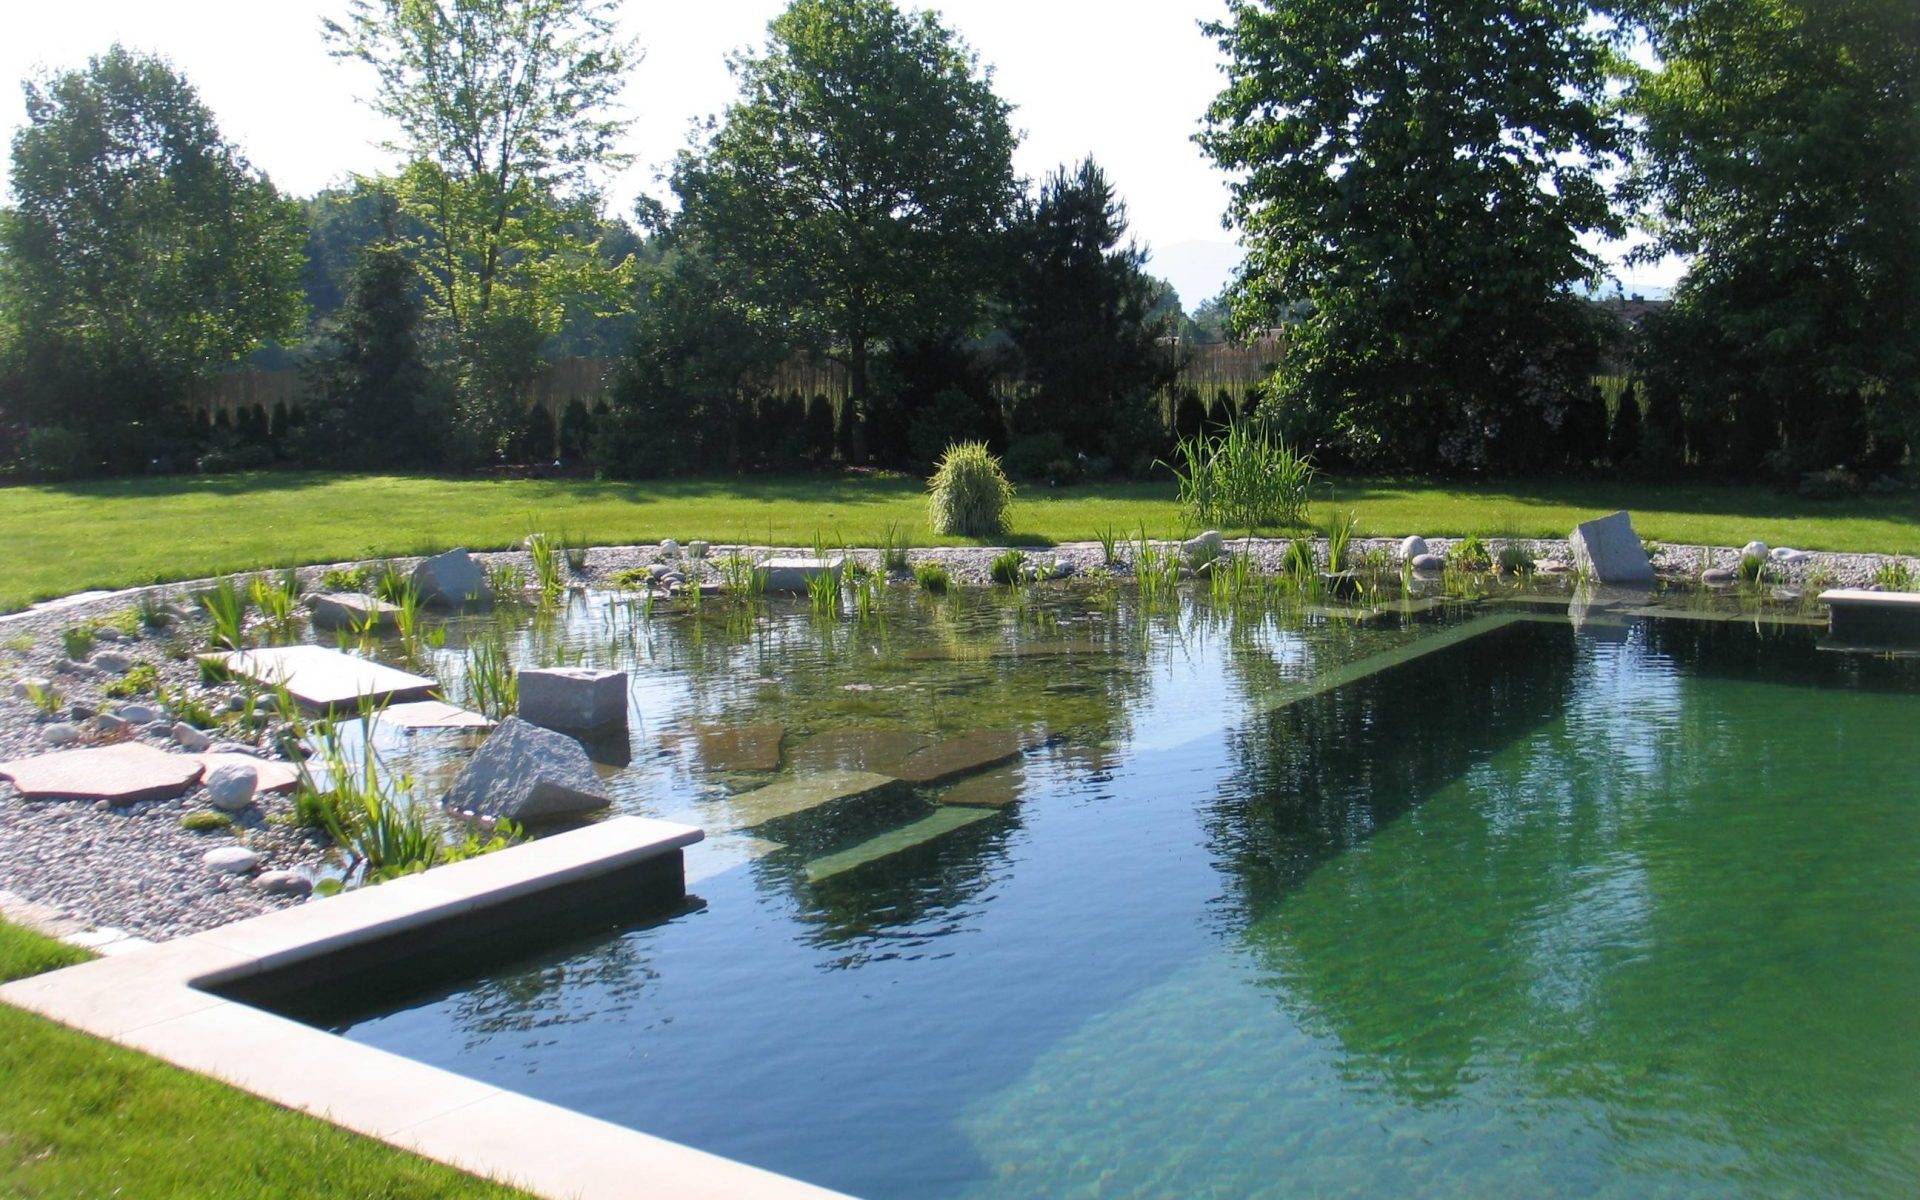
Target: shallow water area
{"points": [[1075, 892]]}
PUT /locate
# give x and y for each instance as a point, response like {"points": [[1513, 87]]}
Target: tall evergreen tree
{"points": [[368, 391]]}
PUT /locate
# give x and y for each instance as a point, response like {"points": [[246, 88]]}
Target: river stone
{"points": [[270, 775], [135, 714], [123, 774], [453, 579], [670, 547], [1756, 549], [352, 610], [1609, 551], [575, 698], [283, 883], [231, 860], [108, 723], [230, 788], [190, 739], [1718, 575], [112, 660], [527, 774], [1427, 563], [107, 633], [1413, 548], [60, 734], [1789, 558]]}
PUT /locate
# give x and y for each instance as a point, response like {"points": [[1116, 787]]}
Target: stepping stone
{"points": [[942, 822], [794, 574], [739, 747], [432, 714], [123, 774], [323, 679], [994, 789], [958, 756], [352, 610], [880, 751], [784, 799], [270, 775]]}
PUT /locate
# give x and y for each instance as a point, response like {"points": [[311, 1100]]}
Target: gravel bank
{"points": [[138, 869]]}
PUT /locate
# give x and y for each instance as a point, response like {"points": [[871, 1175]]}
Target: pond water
{"points": [[1187, 901]]}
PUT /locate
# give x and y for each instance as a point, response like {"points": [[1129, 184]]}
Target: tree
{"points": [[1086, 319], [504, 108], [855, 189], [1418, 176], [141, 251], [1782, 151]]}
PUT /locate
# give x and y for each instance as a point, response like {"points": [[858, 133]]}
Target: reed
{"points": [[1243, 477], [226, 607]]}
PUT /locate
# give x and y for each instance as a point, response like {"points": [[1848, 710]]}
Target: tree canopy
{"points": [[855, 189], [1418, 175]]}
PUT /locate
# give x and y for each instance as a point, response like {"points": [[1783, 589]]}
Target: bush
{"points": [[1036, 455], [969, 493], [1242, 478], [1009, 568], [55, 453], [951, 416]]}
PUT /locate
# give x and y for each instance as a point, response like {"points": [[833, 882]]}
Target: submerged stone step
{"points": [[322, 679], [432, 714], [991, 789], [1346, 673], [762, 805], [944, 820], [954, 757], [739, 747], [880, 751]]}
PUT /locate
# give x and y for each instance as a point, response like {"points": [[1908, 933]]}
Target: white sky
{"points": [[1126, 80]]}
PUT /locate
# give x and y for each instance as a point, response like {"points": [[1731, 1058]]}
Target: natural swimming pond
{"points": [[1173, 900]]}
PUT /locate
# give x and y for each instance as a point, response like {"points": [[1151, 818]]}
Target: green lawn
{"points": [[64, 538], [80, 1117]]}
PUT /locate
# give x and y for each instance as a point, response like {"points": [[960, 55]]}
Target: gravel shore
{"points": [[137, 868]]}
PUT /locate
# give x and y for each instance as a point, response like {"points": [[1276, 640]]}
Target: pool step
{"points": [[1346, 673], [944, 820], [749, 810]]}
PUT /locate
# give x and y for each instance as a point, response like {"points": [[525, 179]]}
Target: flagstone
{"points": [[954, 757], [124, 774], [432, 714], [992, 789], [324, 679], [790, 796], [739, 747]]}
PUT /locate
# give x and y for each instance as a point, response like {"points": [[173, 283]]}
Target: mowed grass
{"points": [[80, 1118], [61, 539]]}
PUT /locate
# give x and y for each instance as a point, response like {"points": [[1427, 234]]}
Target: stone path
{"points": [[432, 714], [123, 774], [324, 680]]}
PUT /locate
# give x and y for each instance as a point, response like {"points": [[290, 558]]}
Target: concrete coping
{"points": [[1862, 598], [152, 999]]}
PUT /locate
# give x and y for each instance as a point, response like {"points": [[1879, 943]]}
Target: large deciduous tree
{"points": [[141, 250], [505, 110], [1418, 174], [856, 188], [1782, 152]]}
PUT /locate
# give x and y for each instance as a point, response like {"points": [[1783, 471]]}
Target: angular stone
{"points": [[270, 775], [324, 679], [230, 786], [191, 740], [794, 574], [352, 610], [432, 714], [1608, 550], [790, 796], [527, 774], [740, 747], [124, 774], [954, 757], [575, 698], [231, 860], [453, 580]]}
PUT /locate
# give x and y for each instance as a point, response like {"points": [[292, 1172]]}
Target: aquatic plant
{"points": [[1471, 554], [1893, 576], [1242, 476], [389, 581], [740, 576], [823, 593], [969, 493], [277, 599], [1009, 567], [576, 557], [1515, 559], [1298, 560], [1109, 546], [226, 607], [506, 581], [545, 553], [933, 577], [488, 680], [1340, 531], [1752, 568], [893, 549]]}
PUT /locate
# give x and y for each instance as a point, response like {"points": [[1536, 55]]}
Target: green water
{"points": [[1264, 904]]}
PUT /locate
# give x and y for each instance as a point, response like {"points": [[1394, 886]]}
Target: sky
{"points": [[1123, 80]]}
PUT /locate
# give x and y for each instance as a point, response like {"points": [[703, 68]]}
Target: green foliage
{"points": [[225, 604], [141, 679], [632, 577], [545, 553], [933, 578], [182, 706], [1470, 553], [829, 201], [206, 821], [24, 953], [277, 599], [1752, 568], [1109, 543], [1515, 560], [740, 576], [1623, 437], [1081, 313], [141, 251], [507, 582], [76, 641], [969, 493], [893, 549], [45, 698], [1243, 477], [346, 579], [823, 593], [1893, 576], [1040, 456], [1340, 531], [1384, 154], [491, 685], [389, 582], [1009, 568]]}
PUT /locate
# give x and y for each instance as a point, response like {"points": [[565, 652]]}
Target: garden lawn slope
{"points": [[64, 538], [82, 1117]]}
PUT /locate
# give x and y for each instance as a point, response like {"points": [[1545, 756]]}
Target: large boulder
{"points": [[454, 580], [576, 698], [527, 774], [1608, 550]]}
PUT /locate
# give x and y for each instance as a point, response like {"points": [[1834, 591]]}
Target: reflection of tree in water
{"points": [[1689, 953], [605, 981]]}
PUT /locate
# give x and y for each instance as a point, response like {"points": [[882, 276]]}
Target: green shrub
{"points": [[345, 579], [141, 679], [1893, 576], [1515, 560], [1242, 478], [933, 577], [206, 822], [1753, 568], [1471, 554], [55, 453], [1009, 568], [77, 642], [969, 493]]}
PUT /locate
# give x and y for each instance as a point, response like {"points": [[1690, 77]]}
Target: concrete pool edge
{"points": [[154, 999]]}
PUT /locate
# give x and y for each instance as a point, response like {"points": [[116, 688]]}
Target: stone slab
{"points": [[322, 679], [739, 747], [270, 775], [573, 698], [790, 796], [352, 610], [1609, 551], [879, 751], [951, 758], [943, 821], [1860, 617], [991, 789], [123, 774], [794, 574], [432, 714]]}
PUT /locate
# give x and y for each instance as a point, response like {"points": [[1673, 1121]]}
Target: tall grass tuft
{"points": [[1340, 532], [226, 607], [893, 549], [1109, 546], [545, 552], [969, 493], [1893, 576], [1009, 568], [933, 578], [1243, 477], [823, 593], [490, 685], [277, 599]]}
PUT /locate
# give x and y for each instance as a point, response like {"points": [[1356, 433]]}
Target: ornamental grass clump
{"points": [[969, 493], [1244, 478]]}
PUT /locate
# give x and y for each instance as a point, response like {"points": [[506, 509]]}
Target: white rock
{"points": [[1427, 562], [189, 737], [230, 788], [573, 698], [60, 734], [697, 549], [1789, 558], [135, 714], [1204, 548], [112, 660], [1756, 549], [1413, 548], [283, 883], [231, 860], [669, 547], [793, 574]]}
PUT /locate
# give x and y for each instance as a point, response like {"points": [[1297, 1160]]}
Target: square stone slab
{"points": [[958, 756], [323, 679], [432, 714], [123, 774]]}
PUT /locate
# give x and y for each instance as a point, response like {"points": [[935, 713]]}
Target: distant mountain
{"points": [[1197, 270]]}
